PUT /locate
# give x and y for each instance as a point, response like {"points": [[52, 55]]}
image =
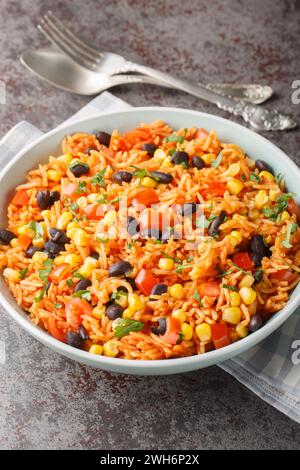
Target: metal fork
{"points": [[110, 63]]}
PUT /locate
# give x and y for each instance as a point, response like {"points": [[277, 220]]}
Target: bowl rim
{"points": [[128, 365]]}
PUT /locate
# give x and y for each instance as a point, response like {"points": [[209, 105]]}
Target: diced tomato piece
{"points": [[21, 198], [24, 242], [145, 281], [54, 330], [146, 197], [201, 134], [284, 275], [214, 189], [75, 309], [220, 335], [69, 190], [210, 288], [60, 272], [243, 260], [172, 331], [293, 208], [95, 211]]}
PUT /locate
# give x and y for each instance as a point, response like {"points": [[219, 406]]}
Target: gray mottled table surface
{"points": [[50, 402]]}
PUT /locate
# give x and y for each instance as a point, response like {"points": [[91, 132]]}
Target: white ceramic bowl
{"points": [[255, 146]]}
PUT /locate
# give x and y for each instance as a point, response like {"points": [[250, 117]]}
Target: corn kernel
{"points": [[65, 159], [166, 264], [203, 332], [64, 220], [73, 259], [234, 169], [111, 348], [53, 175], [38, 242], [196, 272], [11, 275], [268, 239], [248, 295], [135, 302], [98, 312], [247, 281], [61, 259], [26, 230], [261, 199], [253, 214], [93, 197], [148, 182], [71, 232], [235, 186], [232, 315], [128, 313], [235, 299], [39, 257], [110, 218], [14, 242], [187, 331], [208, 158], [235, 238], [274, 194], [80, 237], [72, 225], [88, 267], [159, 154], [179, 314], [176, 291], [241, 330], [284, 216], [267, 176], [46, 214], [96, 349], [82, 202], [166, 163]]}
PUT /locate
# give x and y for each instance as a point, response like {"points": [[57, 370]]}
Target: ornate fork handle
{"points": [[259, 118]]}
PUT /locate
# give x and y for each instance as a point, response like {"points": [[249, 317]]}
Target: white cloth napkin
{"points": [[271, 369]]}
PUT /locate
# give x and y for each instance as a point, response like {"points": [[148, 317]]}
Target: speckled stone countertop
{"points": [[50, 402]]}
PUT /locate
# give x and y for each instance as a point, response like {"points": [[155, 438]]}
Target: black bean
{"points": [[213, 229], [79, 169], [30, 251], [188, 208], [120, 268], [58, 236], [263, 166], [43, 199], [180, 157], [150, 149], [131, 281], [122, 177], [258, 249], [54, 196], [256, 322], [82, 285], [95, 255], [48, 285], [83, 333], [73, 339], [53, 248], [158, 289], [88, 150], [198, 163], [132, 226], [103, 138], [161, 177], [6, 237], [113, 312], [161, 328]]}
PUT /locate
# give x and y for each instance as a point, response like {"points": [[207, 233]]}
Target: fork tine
{"points": [[69, 51], [92, 53], [64, 38]]}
